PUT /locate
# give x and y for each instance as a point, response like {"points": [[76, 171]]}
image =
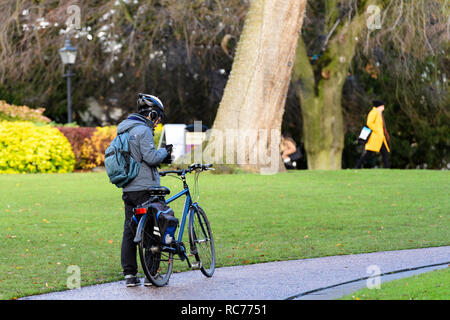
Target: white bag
{"points": [[365, 133]]}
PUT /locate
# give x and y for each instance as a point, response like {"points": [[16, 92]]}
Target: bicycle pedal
{"points": [[196, 265]]}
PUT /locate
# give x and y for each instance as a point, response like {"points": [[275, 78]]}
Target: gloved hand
{"points": [[169, 148], [168, 159]]}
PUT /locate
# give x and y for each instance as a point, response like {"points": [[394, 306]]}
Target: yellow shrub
{"points": [[28, 148], [157, 134], [93, 149], [87, 158]]}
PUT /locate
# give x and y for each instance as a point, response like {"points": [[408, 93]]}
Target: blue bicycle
{"points": [[156, 250]]}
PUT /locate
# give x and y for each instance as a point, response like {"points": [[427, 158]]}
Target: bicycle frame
{"points": [[176, 247], [187, 205]]}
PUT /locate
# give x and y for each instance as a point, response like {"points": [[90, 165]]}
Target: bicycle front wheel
{"points": [[201, 241], [156, 263]]}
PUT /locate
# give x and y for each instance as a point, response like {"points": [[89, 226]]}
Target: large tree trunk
{"points": [[320, 92], [253, 103], [323, 130]]}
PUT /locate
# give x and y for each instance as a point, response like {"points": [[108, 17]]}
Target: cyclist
{"points": [[150, 112]]}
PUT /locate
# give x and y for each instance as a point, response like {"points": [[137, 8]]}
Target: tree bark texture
{"points": [[320, 92], [255, 93]]}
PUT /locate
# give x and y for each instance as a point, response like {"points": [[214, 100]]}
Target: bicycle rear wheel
{"points": [[201, 241], [156, 263]]}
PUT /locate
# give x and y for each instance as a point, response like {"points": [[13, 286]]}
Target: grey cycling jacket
{"points": [[143, 150]]}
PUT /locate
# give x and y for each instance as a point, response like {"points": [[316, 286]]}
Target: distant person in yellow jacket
{"points": [[379, 140]]}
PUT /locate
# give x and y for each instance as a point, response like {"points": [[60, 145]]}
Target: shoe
{"points": [[147, 282], [131, 280]]}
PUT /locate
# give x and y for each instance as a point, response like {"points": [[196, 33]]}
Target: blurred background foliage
{"points": [[173, 49], [182, 51]]}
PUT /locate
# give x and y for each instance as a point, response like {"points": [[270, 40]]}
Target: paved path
{"points": [[266, 281]]}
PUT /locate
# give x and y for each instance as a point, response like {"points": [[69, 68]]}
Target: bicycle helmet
{"points": [[150, 106]]}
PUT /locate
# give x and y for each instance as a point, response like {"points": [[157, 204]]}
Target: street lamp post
{"points": [[68, 56]]}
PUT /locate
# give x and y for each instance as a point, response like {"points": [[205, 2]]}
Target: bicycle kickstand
{"points": [[181, 251], [182, 254]]}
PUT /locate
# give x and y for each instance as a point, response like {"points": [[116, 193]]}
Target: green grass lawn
{"points": [[426, 286], [50, 222]]}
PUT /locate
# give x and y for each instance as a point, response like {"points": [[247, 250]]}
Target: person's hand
{"points": [[169, 148], [168, 159]]}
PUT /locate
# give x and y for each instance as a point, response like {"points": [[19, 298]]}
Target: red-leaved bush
{"points": [[89, 144], [78, 136]]}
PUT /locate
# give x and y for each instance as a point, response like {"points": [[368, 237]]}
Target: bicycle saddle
{"points": [[159, 191]]}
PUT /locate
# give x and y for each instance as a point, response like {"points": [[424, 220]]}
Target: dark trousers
{"points": [[367, 154], [129, 249]]}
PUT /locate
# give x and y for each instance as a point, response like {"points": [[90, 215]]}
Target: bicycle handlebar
{"points": [[192, 167]]}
